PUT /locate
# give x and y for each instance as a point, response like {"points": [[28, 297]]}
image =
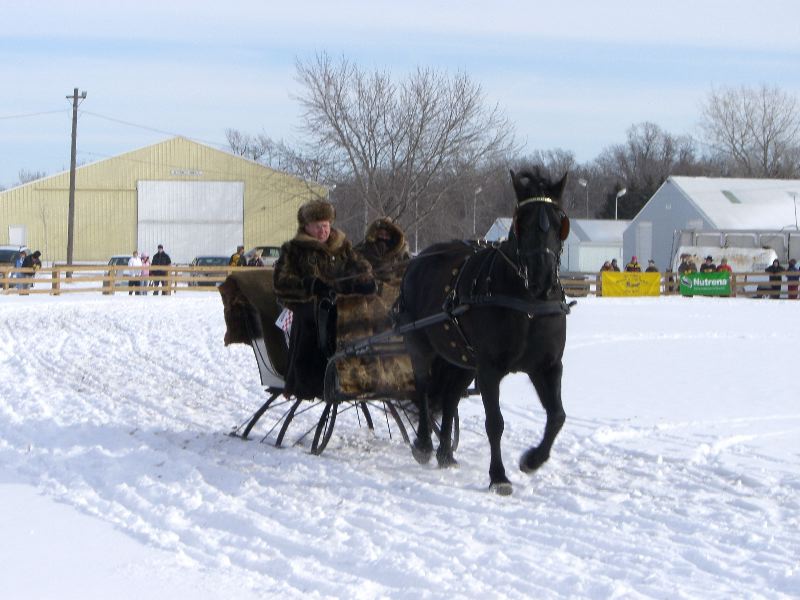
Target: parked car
{"points": [[10, 254], [209, 261], [269, 254], [116, 261]]}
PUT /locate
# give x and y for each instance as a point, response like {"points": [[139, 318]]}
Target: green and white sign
{"points": [[706, 284]]}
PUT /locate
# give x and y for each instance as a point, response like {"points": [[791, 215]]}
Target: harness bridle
{"points": [[518, 264]]}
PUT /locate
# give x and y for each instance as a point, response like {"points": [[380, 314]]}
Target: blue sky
{"points": [[573, 76]]}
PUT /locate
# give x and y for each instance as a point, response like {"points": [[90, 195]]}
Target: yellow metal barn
{"points": [[192, 198]]}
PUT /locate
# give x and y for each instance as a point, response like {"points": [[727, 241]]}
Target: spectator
{"points": [[18, 265], [792, 279], [775, 270], [651, 267], [255, 260], [606, 267], [315, 265], [237, 258], [160, 259], [633, 266], [134, 270], [724, 266], [687, 265], [31, 261], [145, 272], [708, 265], [614, 265]]}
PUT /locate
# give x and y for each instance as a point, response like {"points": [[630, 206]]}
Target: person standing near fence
{"points": [[18, 265], [255, 260], [687, 265], [792, 279], [32, 261], [708, 265], [633, 266], [145, 272], [160, 259], [237, 258], [775, 270], [134, 270]]}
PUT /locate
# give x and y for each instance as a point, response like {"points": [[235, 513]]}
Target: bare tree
{"points": [[280, 156], [757, 130], [642, 164], [403, 147], [26, 176]]}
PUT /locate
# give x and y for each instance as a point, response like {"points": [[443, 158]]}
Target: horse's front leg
{"points": [[489, 384], [548, 386]]}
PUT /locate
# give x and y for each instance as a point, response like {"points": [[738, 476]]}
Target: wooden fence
{"points": [[105, 279]]}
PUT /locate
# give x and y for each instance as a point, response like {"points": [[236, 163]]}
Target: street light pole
{"points": [[583, 183], [478, 190], [620, 194]]}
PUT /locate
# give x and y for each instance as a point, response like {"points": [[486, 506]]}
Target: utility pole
{"points": [[71, 209]]}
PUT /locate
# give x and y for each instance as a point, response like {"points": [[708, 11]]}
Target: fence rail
{"points": [[106, 279]]}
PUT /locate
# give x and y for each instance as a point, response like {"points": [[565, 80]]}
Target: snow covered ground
{"points": [[677, 474]]}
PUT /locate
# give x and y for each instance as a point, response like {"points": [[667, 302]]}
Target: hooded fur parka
{"points": [[389, 258]]}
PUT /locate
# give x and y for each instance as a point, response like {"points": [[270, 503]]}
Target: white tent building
{"points": [[590, 243], [716, 212]]}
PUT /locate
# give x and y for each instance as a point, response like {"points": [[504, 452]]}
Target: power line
{"points": [[36, 114], [153, 129]]}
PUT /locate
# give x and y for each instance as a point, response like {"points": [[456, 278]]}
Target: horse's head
{"points": [[539, 229]]}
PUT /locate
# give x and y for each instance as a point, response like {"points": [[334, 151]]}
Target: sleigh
{"points": [[369, 376]]}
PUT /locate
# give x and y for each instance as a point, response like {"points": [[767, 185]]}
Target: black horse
{"points": [[506, 313]]}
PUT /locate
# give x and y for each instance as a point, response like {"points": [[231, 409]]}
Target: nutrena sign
{"points": [[706, 284]]}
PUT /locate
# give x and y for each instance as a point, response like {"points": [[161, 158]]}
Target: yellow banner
{"points": [[631, 284]]}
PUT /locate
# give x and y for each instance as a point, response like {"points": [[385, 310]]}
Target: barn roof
{"points": [[599, 230], [743, 203]]}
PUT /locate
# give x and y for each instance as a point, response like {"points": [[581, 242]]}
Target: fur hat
{"points": [[315, 210]]}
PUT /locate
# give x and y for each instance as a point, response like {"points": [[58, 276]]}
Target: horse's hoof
{"points": [[446, 462], [531, 460], [503, 488], [421, 454]]}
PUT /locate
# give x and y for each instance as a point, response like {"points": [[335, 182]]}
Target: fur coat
{"points": [[333, 261], [388, 258]]}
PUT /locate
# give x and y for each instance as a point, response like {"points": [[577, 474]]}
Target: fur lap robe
{"points": [[390, 375], [251, 309]]}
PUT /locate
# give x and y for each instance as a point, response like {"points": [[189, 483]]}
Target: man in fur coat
{"points": [[386, 249], [314, 266]]}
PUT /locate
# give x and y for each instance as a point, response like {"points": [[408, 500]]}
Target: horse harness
{"points": [[481, 295], [455, 304]]}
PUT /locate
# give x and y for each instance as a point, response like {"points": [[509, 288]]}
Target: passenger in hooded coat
{"points": [[315, 265], [386, 249]]}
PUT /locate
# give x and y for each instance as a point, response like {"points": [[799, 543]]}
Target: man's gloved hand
{"points": [[366, 288], [314, 286]]}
